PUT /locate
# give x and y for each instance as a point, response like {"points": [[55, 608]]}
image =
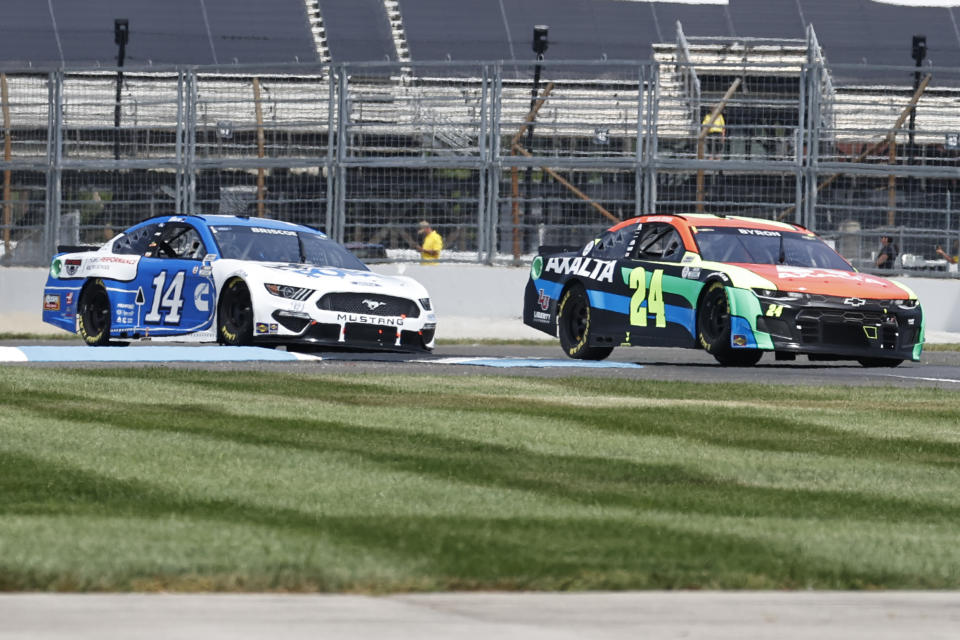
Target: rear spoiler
{"points": [[76, 248]]}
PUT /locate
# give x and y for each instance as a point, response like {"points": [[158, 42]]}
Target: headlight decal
{"points": [[289, 292]]}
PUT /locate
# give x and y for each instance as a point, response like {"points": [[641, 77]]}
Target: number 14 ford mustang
{"points": [[734, 286], [234, 280]]}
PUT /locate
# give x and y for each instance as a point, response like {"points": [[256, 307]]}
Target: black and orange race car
{"points": [[734, 286]]}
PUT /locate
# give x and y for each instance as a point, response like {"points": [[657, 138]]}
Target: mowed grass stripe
{"points": [[199, 480]]}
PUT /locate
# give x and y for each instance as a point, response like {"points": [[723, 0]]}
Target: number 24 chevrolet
{"points": [[734, 286]]}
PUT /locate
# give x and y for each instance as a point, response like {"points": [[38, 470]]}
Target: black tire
{"points": [[573, 325], [235, 315], [713, 329], [93, 315], [879, 362]]}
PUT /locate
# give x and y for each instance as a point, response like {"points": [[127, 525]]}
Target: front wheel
{"points": [[713, 330], [235, 315], [93, 315], [573, 324]]}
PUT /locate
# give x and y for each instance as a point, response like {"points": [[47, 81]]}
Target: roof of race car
{"points": [[243, 221], [695, 219]]}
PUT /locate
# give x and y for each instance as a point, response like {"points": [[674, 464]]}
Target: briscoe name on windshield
{"points": [[592, 268]]}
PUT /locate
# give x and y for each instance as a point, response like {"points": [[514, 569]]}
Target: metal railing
{"points": [[365, 151]]}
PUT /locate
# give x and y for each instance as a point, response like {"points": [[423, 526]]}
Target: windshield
{"points": [[282, 245], [757, 246]]}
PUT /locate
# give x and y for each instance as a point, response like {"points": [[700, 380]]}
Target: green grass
{"points": [[173, 479]]}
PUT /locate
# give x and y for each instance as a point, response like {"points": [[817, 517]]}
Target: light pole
{"points": [[539, 47], [121, 35], [919, 53]]}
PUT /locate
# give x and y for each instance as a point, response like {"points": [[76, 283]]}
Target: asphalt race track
{"points": [[936, 368]]}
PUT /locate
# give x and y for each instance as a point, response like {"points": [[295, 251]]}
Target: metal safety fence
{"points": [[500, 157]]}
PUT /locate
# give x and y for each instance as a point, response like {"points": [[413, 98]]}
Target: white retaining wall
{"points": [[472, 301]]}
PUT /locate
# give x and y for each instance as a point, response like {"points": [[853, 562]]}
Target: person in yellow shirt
{"points": [[946, 256], [716, 136], [431, 245]]}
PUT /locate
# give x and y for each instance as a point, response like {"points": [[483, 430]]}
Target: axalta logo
{"points": [[591, 268]]}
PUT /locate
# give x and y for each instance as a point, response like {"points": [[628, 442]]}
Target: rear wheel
{"points": [[713, 330], [93, 314], [573, 324], [235, 315], [880, 362]]}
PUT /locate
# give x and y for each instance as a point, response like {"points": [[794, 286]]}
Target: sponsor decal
{"points": [[784, 271], [273, 232], [601, 270], [112, 260], [543, 300], [71, 266], [125, 306], [740, 340], [362, 319], [540, 316], [759, 232], [691, 273], [69, 299], [536, 268], [262, 328], [200, 296], [274, 327], [372, 305], [854, 302], [51, 302], [359, 277]]}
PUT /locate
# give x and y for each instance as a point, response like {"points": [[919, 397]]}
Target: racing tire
{"points": [[713, 330], [879, 362], [235, 315], [93, 315], [573, 326]]}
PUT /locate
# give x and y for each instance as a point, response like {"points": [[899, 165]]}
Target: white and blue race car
{"points": [[237, 281]]}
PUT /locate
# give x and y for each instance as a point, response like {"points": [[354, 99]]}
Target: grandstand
{"points": [[401, 97]]}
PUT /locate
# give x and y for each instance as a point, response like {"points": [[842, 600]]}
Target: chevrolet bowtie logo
{"points": [[855, 302], [372, 304]]}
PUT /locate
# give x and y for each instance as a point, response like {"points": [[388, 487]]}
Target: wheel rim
{"points": [[577, 320], [96, 313], [238, 313], [715, 319]]}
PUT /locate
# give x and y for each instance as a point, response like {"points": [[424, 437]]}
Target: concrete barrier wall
{"points": [[472, 301]]}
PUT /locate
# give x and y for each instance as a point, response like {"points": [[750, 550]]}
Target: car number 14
{"points": [[171, 299], [653, 295]]}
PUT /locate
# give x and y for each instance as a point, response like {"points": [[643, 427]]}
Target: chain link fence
{"points": [[500, 157]]}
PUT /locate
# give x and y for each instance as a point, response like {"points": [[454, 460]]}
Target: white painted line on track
{"points": [[893, 375], [509, 363], [148, 354], [12, 354]]}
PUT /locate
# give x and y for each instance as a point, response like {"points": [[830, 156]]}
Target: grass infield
{"points": [[171, 479]]}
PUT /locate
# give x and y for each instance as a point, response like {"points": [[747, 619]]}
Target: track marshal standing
{"points": [[431, 244]]}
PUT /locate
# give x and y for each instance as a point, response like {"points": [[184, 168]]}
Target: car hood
{"points": [[335, 279], [829, 282]]}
